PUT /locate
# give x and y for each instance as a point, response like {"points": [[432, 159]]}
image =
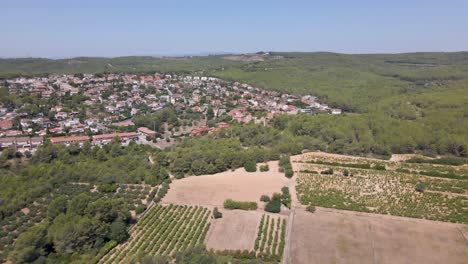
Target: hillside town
{"points": [[73, 109]]}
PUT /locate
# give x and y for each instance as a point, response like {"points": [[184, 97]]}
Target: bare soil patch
{"points": [[332, 236], [212, 190], [236, 230]]}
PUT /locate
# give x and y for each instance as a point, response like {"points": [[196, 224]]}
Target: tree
{"points": [[101, 155], [30, 245], [118, 231], [74, 233], [78, 204], [420, 187], [265, 198], [209, 113], [264, 168], [346, 172], [56, 207], [216, 213], [273, 206], [250, 166]]}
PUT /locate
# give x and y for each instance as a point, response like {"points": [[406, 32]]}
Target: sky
{"points": [[109, 28]]}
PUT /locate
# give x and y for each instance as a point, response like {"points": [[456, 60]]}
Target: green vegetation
{"points": [[216, 213], [270, 240], [444, 161], [250, 166], [386, 192], [310, 208], [231, 204], [37, 190], [273, 205], [264, 168], [265, 198], [163, 231], [286, 166]]}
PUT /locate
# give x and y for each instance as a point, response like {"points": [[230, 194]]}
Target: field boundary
{"points": [[288, 236]]}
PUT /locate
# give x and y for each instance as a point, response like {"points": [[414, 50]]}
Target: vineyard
{"points": [[382, 191], [163, 230], [271, 237]]}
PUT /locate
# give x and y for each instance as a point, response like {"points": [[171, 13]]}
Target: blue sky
{"points": [[68, 28]]}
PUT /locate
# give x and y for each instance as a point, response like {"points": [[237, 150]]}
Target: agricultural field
{"points": [[337, 236], [271, 236], [376, 186], [213, 190], [163, 230], [136, 195], [236, 230]]}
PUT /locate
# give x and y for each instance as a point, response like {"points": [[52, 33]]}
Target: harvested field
{"points": [[236, 230], [212, 190], [332, 236]]}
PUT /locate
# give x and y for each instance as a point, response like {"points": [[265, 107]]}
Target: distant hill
{"points": [[426, 91]]}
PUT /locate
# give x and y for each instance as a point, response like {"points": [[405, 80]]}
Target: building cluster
{"points": [[75, 108]]}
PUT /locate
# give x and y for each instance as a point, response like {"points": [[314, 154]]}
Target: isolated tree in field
{"points": [[420, 187], [216, 213]]}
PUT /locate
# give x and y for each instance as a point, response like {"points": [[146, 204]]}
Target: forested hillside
{"points": [[393, 103]]}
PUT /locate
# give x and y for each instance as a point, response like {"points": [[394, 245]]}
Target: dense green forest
{"points": [[74, 220]]}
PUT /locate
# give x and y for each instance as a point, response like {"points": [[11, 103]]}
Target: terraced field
{"points": [[163, 230]]}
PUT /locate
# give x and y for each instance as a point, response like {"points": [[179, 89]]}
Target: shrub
{"points": [[309, 171], [327, 171], [217, 214], [420, 187], [288, 173], [346, 172], [264, 168], [273, 206], [454, 161], [231, 204], [265, 198], [250, 166], [107, 188], [310, 208], [379, 167]]}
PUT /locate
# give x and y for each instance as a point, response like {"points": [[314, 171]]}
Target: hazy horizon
{"points": [[54, 29]]}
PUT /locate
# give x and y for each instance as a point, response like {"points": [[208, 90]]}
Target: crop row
{"points": [[271, 237], [163, 230]]}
